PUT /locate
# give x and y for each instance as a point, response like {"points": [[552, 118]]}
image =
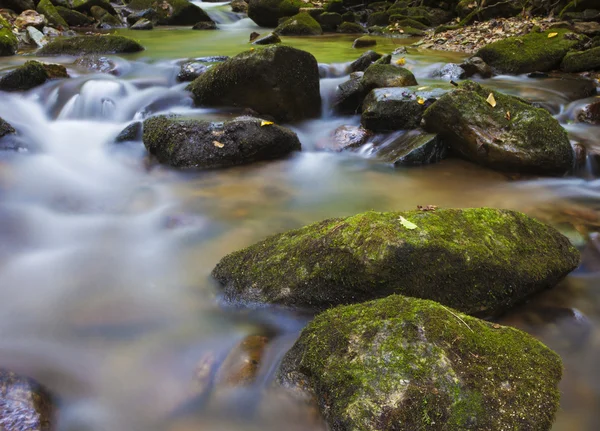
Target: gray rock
{"points": [[345, 137], [205, 25], [37, 36], [190, 70], [476, 66], [449, 72], [132, 132], [412, 148]]}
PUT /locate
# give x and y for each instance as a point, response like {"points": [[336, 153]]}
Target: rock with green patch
{"points": [[268, 39], [582, 61], [512, 135], [132, 132], [351, 28], [387, 75], [534, 52], [105, 17], [85, 6], [266, 13], [480, 261], [378, 18], [301, 24], [46, 8], [194, 143], [279, 81], [97, 44], [74, 18], [407, 364], [330, 21], [366, 59], [30, 75], [172, 12], [407, 22], [8, 41]]}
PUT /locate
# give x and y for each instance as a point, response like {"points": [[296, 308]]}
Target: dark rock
{"points": [[527, 140], [387, 75], [142, 24], [172, 12], [149, 14], [449, 72], [379, 19], [74, 18], [345, 137], [364, 41], [443, 370], [349, 96], [385, 59], [132, 132], [351, 28], [104, 17], [349, 17], [81, 45], [330, 21], [30, 75], [5, 128], [582, 61], [447, 256], [268, 39], [190, 143], [190, 70], [253, 36], [476, 66], [590, 28], [266, 13], [205, 25], [17, 5], [590, 113], [301, 24], [277, 80], [364, 61], [412, 148], [85, 6], [335, 6]]}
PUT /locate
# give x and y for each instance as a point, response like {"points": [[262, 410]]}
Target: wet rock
{"points": [[351, 28], [240, 367], [142, 24], [132, 132], [24, 404], [385, 59], [301, 24], [47, 8], [330, 21], [85, 6], [349, 96], [386, 109], [412, 148], [379, 19], [590, 113], [530, 53], [277, 80], [443, 370], [589, 28], [30, 18], [582, 61], [345, 137], [37, 37], [18, 5], [526, 140], [51, 32], [190, 143], [266, 13], [172, 12], [449, 72], [387, 75], [74, 18], [364, 41], [5, 128], [268, 39], [97, 44], [239, 6], [149, 14], [96, 63], [253, 36], [205, 25], [476, 66], [372, 255], [105, 17], [364, 61], [190, 70], [8, 41], [30, 75]]}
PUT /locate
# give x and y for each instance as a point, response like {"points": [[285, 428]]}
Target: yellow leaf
{"points": [[422, 88], [491, 100], [407, 224], [401, 61], [218, 144], [251, 49], [552, 35], [507, 116], [265, 123], [420, 100]]}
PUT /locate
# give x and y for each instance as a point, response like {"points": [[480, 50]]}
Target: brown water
{"points": [[105, 294]]}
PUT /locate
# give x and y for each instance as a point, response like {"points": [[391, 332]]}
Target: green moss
{"points": [[408, 364], [330, 20], [406, 22], [349, 17], [529, 53], [8, 41], [46, 8], [301, 24], [351, 27], [476, 260], [81, 45], [378, 18], [74, 18], [582, 61], [180, 12]]}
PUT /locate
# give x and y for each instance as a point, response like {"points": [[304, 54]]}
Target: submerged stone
{"points": [[82, 45], [364, 41], [191, 143], [512, 135], [479, 261], [276, 80], [30, 75], [405, 364]]}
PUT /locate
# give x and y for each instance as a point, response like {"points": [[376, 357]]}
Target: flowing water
{"points": [[105, 257]]}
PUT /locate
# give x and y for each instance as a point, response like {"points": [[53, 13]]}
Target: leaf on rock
{"points": [[552, 35], [265, 123], [407, 224], [491, 100], [401, 61], [507, 116], [420, 100], [218, 144]]}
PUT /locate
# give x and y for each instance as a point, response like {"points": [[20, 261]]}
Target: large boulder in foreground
{"points": [[277, 80], [193, 143], [534, 52], [479, 261], [404, 364], [82, 45], [30, 75], [511, 136], [172, 12], [8, 41]]}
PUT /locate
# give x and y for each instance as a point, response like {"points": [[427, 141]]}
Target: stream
{"points": [[105, 258]]}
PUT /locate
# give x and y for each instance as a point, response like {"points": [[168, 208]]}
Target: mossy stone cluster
{"points": [[30, 75], [8, 41], [74, 18], [409, 364], [202, 144], [582, 61], [512, 136], [301, 24], [276, 80], [480, 261], [178, 12], [46, 8], [534, 52], [97, 44]]}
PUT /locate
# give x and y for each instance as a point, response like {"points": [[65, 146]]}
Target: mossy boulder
{"points": [[330, 20], [98, 44], [266, 13], [172, 12], [105, 17], [582, 61], [534, 52], [276, 80], [404, 364], [74, 18], [387, 75], [17, 6], [479, 261], [301, 24], [512, 135], [351, 28], [30, 75], [46, 8], [378, 18], [364, 41], [8, 41], [193, 143], [132, 132], [85, 6]]}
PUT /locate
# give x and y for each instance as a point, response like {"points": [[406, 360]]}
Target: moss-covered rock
{"points": [[407, 22], [132, 132], [351, 28], [534, 52], [378, 18], [30, 75], [364, 41], [301, 24], [366, 59], [330, 20], [85, 6], [387, 75], [512, 135], [479, 261], [192, 143], [268, 39], [276, 80], [6, 128], [582, 61], [104, 17], [172, 12], [46, 8], [74, 18], [407, 364], [82, 45], [266, 13], [8, 41]]}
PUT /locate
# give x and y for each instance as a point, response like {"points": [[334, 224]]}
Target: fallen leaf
{"points": [[422, 88], [552, 35], [407, 224], [427, 207], [507, 116], [401, 61], [251, 49], [491, 100], [496, 326], [420, 100], [218, 144], [265, 123]]}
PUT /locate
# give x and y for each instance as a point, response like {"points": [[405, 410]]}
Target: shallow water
{"points": [[105, 293]]}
